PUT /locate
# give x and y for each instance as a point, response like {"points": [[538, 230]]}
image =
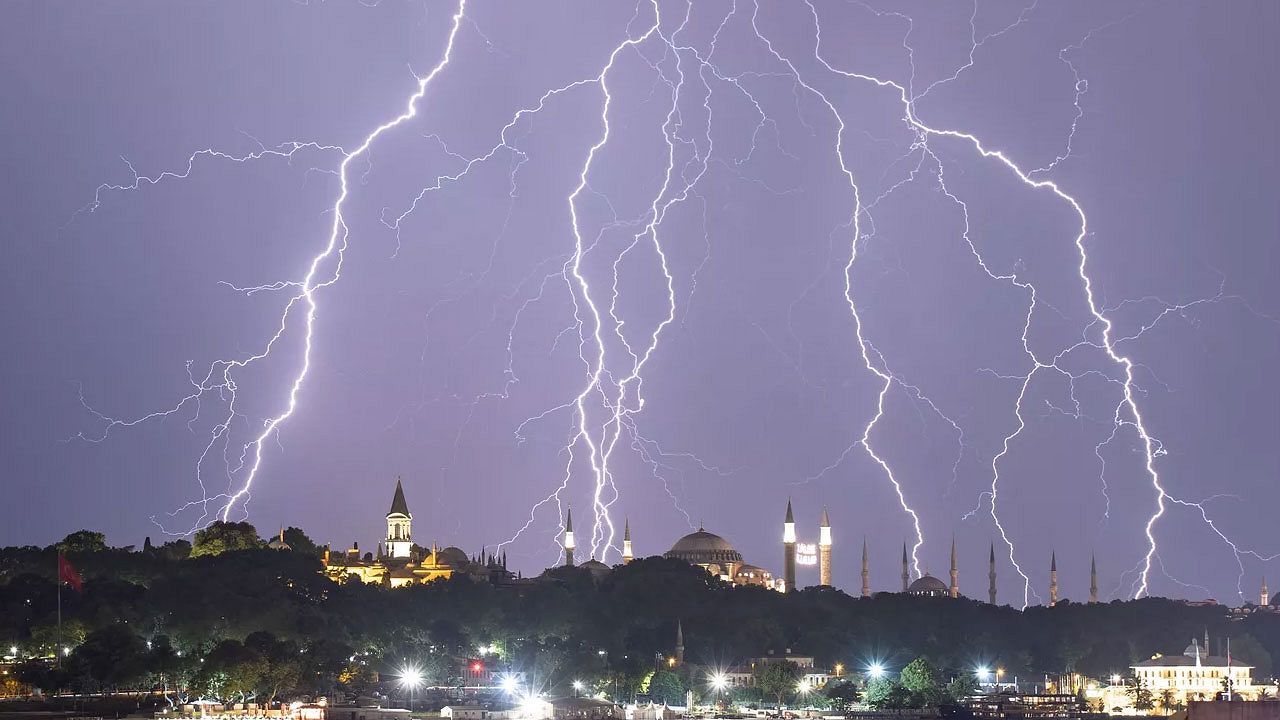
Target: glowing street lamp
{"points": [[875, 670], [984, 673], [839, 669], [804, 687], [719, 682], [577, 687], [411, 678], [509, 684]]}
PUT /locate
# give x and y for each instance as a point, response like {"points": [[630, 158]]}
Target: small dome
{"points": [[1194, 649], [596, 567], [927, 585], [278, 544], [703, 548]]}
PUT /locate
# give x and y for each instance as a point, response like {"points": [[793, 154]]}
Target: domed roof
{"points": [[704, 547], [596, 567], [701, 541], [451, 557], [927, 584], [1194, 649]]}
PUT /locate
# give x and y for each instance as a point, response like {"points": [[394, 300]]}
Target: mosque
{"points": [[399, 561], [718, 557]]}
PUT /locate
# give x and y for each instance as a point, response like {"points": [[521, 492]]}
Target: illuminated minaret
{"points": [[568, 538], [906, 578], [1093, 580], [626, 542], [1053, 579], [991, 575], [1266, 596], [399, 544], [789, 550], [866, 570], [955, 572], [824, 550]]}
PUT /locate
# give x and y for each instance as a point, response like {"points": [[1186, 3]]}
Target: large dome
{"points": [[927, 585], [703, 548]]}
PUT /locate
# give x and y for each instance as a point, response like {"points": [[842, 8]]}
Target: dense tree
{"points": [[666, 687], [221, 537], [298, 541], [113, 657], [777, 679], [83, 541]]}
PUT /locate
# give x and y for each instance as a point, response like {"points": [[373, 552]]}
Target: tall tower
{"points": [[1266, 596], [626, 542], [955, 572], [1053, 579], [679, 642], [789, 550], [1093, 580], [991, 575], [824, 550], [906, 578], [399, 522], [866, 570], [568, 538]]}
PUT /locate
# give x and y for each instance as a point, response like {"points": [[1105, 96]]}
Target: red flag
{"points": [[67, 574]]}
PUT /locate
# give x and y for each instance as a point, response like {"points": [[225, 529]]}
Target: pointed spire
{"points": [[906, 577], [955, 572], [1053, 578], [790, 517], [1265, 598], [826, 521], [679, 642], [568, 519], [866, 570], [398, 504], [991, 575], [1093, 579], [1053, 561], [626, 529]]}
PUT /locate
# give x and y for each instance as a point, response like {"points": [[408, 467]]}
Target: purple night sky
{"points": [[460, 332]]}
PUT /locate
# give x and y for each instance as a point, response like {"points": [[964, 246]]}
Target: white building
{"points": [[1194, 675]]}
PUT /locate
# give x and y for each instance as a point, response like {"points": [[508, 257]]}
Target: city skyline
{"points": [[995, 277]]}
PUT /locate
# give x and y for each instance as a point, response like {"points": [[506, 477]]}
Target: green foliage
{"points": [[842, 694], [777, 679], [221, 537], [83, 541], [666, 687], [112, 656], [961, 687], [1246, 648], [886, 694], [298, 541]]}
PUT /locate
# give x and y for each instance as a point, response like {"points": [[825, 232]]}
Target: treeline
{"points": [[242, 608]]}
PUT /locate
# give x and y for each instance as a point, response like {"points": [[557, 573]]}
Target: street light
{"points": [[410, 678], [577, 687], [509, 684], [719, 682], [984, 673], [875, 670], [839, 669]]}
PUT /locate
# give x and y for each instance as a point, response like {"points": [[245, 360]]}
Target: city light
{"points": [[577, 685], [804, 687], [839, 669], [509, 684], [411, 676], [66, 651], [719, 681], [1115, 679], [671, 662], [875, 670], [984, 673], [13, 650]]}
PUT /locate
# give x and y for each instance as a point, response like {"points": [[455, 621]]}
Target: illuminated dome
{"points": [[448, 557], [704, 548], [928, 585]]}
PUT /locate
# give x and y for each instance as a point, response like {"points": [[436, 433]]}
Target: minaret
{"points": [[1053, 579], [906, 578], [991, 575], [955, 572], [679, 643], [789, 550], [626, 542], [1093, 580], [1266, 596], [824, 550], [568, 538], [399, 522], [866, 570]]}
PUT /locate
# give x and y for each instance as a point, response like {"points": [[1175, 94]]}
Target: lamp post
{"points": [[719, 683], [410, 679]]}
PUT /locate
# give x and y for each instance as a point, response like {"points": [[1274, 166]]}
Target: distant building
{"points": [[1195, 675], [405, 563]]}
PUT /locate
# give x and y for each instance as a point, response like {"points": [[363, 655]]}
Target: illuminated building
{"points": [[789, 551], [1195, 675], [824, 550], [405, 563]]}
